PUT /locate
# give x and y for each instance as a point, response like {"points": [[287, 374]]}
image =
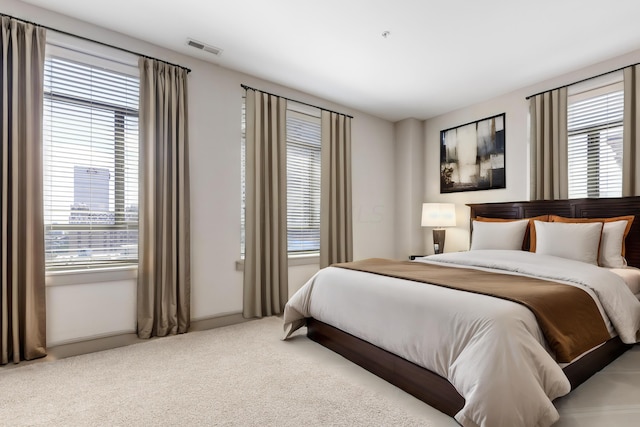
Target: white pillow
{"points": [[578, 241], [611, 244], [498, 235]]}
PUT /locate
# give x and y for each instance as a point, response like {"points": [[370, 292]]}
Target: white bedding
{"points": [[490, 349]]}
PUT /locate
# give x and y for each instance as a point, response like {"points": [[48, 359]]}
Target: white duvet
{"points": [[490, 349]]}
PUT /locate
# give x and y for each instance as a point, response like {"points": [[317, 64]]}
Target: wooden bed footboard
{"points": [[425, 385], [428, 386]]}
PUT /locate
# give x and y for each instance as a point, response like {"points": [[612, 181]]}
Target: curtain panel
{"points": [[266, 257], [164, 270], [336, 235], [631, 132], [548, 139], [22, 269]]}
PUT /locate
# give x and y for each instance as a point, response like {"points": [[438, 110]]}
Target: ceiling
{"points": [[440, 55]]}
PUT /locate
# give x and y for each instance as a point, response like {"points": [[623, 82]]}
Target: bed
{"points": [[405, 368]]}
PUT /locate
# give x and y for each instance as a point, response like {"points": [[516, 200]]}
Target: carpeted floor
{"points": [[241, 375], [244, 375]]}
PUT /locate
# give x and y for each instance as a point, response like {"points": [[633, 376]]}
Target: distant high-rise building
{"points": [[91, 188], [103, 237]]}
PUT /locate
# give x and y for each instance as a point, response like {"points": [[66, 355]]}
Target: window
{"points": [[303, 183], [90, 137], [594, 124], [303, 179]]}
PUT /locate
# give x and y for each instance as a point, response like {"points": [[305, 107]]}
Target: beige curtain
{"points": [[336, 237], [548, 139], [22, 291], [631, 135], [265, 259], [164, 270]]}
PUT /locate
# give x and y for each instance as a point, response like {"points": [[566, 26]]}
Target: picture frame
{"points": [[472, 156]]}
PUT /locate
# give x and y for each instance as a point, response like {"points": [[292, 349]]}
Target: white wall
{"points": [[516, 107], [82, 311], [409, 158], [457, 238], [90, 310], [373, 184]]}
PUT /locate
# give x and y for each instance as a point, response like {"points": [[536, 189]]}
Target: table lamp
{"points": [[438, 215]]}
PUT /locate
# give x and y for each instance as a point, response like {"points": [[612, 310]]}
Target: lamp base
{"points": [[438, 241]]}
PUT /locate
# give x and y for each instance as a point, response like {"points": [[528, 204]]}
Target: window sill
{"points": [[294, 260], [96, 275]]}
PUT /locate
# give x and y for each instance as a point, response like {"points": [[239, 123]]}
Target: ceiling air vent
{"points": [[207, 48]]}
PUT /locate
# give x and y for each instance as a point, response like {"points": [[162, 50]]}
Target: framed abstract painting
{"points": [[472, 156]]}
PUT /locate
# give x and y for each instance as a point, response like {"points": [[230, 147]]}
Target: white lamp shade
{"points": [[438, 215]]}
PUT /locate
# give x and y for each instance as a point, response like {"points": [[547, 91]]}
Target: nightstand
{"points": [[412, 257]]}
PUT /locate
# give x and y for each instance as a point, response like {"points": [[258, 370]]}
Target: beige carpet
{"points": [[244, 375], [241, 375]]}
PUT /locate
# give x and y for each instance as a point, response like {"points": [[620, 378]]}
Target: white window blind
{"points": [[594, 124], [303, 179], [303, 182], [90, 165]]}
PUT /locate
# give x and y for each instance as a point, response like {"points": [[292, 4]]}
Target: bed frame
{"points": [[436, 390]]}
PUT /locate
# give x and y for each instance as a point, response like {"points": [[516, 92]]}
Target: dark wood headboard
{"points": [[572, 208]]}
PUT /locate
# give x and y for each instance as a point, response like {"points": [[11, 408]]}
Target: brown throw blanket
{"points": [[567, 315]]}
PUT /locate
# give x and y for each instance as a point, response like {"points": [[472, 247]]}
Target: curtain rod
{"points": [[94, 41], [294, 100], [583, 80]]}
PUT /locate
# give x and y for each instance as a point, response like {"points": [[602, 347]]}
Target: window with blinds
{"points": [[594, 124], [303, 180], [90, 165], [303, 183]]}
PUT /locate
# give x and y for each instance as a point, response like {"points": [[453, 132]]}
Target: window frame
{"points": [[591, 135], [305, 113], [88, 55]]}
